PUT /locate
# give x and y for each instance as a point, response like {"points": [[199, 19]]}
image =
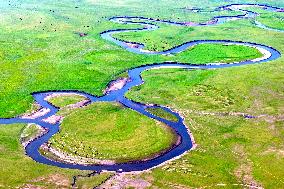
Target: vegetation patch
{"points": [[28, 171], [270, 19], [65, 100], [162, 113], [218, 53], [92, 181], [232, 151], [39, 51], [30, 132], [112, 132]]}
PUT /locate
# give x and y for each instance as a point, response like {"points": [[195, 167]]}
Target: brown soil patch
{"points": [[36, 114], [126, 180], [30, 186], [273, 150], [116, 85], [53, 119], [58, 180], [244, 171]]}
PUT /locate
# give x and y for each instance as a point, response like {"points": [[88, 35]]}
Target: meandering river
{"points": [[148, 24]]}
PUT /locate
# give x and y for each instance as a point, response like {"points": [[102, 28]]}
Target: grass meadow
{"points": [[41, 49]]}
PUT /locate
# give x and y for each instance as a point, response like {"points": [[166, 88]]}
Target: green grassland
{"points": [[271, 19], [229, 152], [243, 89], [65, 100], [17, 169], [103, 131], [40, 50], [275, 20], [162, 113]]}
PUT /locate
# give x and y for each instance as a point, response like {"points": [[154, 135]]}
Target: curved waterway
{"points": [[118, 95]]}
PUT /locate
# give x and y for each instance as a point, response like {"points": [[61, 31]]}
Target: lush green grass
{"points": [[164, 38], [38, 58], [226, 144], [242, 89], [168, 36], [110, 131], [176, 11], [65, 100], [162, 113], [212, 53], [271, 19], [35, 57], [18, 170]]}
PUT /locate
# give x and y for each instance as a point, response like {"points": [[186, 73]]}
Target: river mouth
{"points": [[185, 142]]}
